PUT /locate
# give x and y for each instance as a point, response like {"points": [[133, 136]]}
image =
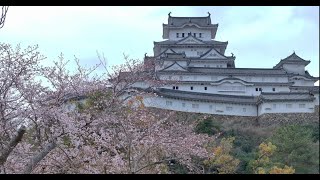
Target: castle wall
{"points": [[294, 68], [286, 107], [201, 107], [206, 33]]}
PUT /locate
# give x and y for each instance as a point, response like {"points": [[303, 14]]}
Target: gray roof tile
{"points": [[205, 96]]}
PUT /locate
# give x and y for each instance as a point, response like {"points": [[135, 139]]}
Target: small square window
{"points": [[273, 89], [189, 34], [210, 107], [194, 34], [274, 106], [173, 87], [182, 34], [191, 88], [168, 103], [260, 89], [177, 35], [302, 105], [205, 88], [289, 105], [200, 35], [195, 105], [256, 89], [229, 108], [183, 104], [244, 109], [177, 87]]}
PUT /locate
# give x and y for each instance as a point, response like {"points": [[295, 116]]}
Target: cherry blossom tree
{"points": [[101, 133]]}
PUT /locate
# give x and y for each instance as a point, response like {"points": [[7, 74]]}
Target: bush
{"points": [[207, 126]]}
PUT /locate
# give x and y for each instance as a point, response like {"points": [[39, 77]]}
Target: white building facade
{"points": [[201, 78]]}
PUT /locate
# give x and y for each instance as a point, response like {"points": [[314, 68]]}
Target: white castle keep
{"points": [[201, 78]]}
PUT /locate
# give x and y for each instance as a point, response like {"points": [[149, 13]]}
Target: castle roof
{"points": [[179, 21], [236, 71], [312, 89], [285, 96], [208, 97], [172, 42], [236, 99], [292, 59]]}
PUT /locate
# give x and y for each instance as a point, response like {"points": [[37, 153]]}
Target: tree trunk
{"points": [[12, 144], [37, 158]]}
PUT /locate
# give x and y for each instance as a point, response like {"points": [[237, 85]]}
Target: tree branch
{"points": [[12, 144], [37, 158]]}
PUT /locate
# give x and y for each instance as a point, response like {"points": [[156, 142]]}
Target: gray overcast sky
{"points": [[258, 36]]}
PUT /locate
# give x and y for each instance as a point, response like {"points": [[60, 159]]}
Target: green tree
{"points": [[296, 148], [263, 164], [221, 161], [207, 126]]}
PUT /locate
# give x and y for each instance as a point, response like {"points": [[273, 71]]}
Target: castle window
{"points": [[183, 104], [205, 88], [210, 107], [273, 89], [177, 87], [260, 89], [182, 34], [168, 103], [229, 108], [191, 88], [177, 35], [173, 87], [256, 89], [302, 105], [189, 34], [195, 105], [288, 105], [244, 109], [200, 35], [194, 34], [274, 106], [199, 53]]}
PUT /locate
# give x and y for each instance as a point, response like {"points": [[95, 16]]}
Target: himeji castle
{"points": [[200, 77]]}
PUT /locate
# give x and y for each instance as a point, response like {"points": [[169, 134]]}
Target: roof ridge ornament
{"points": [[209, 14], [169, 14]]}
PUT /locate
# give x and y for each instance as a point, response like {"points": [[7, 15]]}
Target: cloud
{"points": [[258, 36]]}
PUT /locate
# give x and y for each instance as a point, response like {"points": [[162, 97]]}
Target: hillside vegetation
{"points": [[295, 143]]}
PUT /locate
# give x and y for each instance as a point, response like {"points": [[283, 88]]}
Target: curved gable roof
{"points": [[292, 59]]}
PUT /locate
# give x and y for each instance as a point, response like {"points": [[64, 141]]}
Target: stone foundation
{"points": [[289, 118], [265, 120]]}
